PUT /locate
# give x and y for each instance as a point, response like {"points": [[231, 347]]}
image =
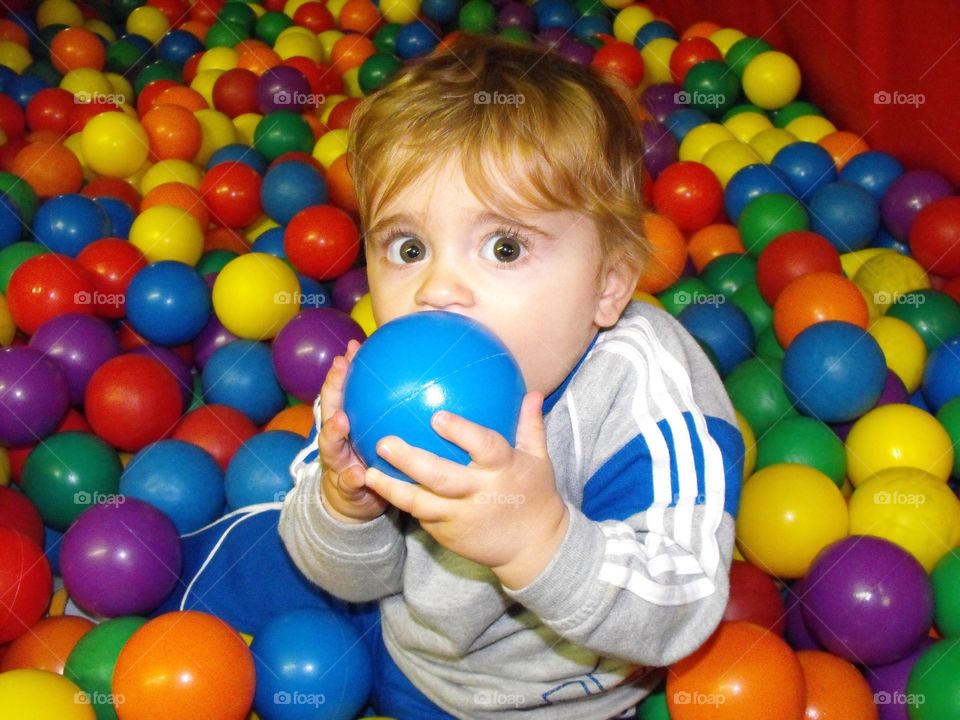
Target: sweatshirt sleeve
{"points": [[355, 562]]}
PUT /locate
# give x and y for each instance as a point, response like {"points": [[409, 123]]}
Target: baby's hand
{"points": [[342, 485]]}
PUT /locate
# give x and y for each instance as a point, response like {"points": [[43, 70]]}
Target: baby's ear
{"points": [[617, 282]]}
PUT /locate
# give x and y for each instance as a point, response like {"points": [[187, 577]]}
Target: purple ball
{"points": [[349, 288], [660, 148], [797, 632], [213, 337], [577, 51], [552, 37], [78, 344], [120, 558], [907, 196], [894, 392], [661, 100], [889, 683], [283, 88], [867, 600], [34, 396], [304, 349], [175, 364], [518, 15]]}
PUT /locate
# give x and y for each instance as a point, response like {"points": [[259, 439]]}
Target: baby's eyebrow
{"points": [[493, 217]]}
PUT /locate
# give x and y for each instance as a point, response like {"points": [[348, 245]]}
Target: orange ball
{"points": [[843, 145], [173, 133], [185, 659], [835, 688], [743, 672], [179, 195], [350, 51], [75, 48], [712, 241], [297, 419], [196, 28], [704, 28], [183, 96], [46, 645], [815, 298], [667, 254], [50, 168], [224, 238], [340, 185], [256, 56], [360, 16], [9, 30]]}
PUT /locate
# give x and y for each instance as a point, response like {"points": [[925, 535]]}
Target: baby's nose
{"points": [[444, 286]]}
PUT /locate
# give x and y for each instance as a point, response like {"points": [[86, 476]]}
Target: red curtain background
{"points": [[848, 50]]}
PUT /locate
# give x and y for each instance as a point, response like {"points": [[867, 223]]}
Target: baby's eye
{"points": [[504, 248], [405, 250]]}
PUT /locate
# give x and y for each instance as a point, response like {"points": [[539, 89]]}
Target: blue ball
{"points": [[240, 374], [178, 478], [22, 88], [723, 327], [270, 242], [682, 121], [52, 540], [834, 371], [554, 13], [589, 26], [290, 187], [415, 40], [918, 401], [873, 170], [941, 375], [885, 240], [440, 11], [259, 472], [845, 214], [311, 664], [177, 46], [6, 75], [807, 167], [168, 303], [313, 293], [238, 152], [11, 226], [120, 214], [68, 223], [654, 30], [418, 364], [750, 183]]}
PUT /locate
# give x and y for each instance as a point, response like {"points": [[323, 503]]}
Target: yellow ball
{"points": [[246, 126], [851, 262], [218, 58], [41, 695], [114, 144], [7, 327], [362, 313], [171, 170], [767, 143], [59, 12], [255, 295], [148, 21], [898, 435], [771, 80], [100, 28], [648, 299], [910, 508], [400, 11], [291, 44], [203, 83], [329, 103], [656, 60], [725, 38], [74, 144], [166, 232], [218, 130], [291, 6], [749, 443], [329, 38], [259, 226], [14, 56], [699, 141], [629, 20], [4, 467], [746, 125], [873, 311], [728, 158], [890, 275], [121, 88], [617, 4], [331, 146], [789, 513], [810, 128], [89, 85], [903, 349], [351, 83]]}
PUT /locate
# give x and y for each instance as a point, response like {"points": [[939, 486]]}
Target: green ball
{"points": [[478, 16], [768, 346], [159, 70], [270, 25], [196, 393], [45, 70], [806, 441], [240, 14], [91, 662], [67, 473], [933, 692], [756, 389], [214, 260], [933, 314], [122, 56], [682, 293], [654, 707], [226, 34], [711, 87], [742, 108], [292, 400], [385, 41], [12, 256], [376, 71], [728, 273], [743, 51], [946, 594], [767, 217], [791, 111], [949, 417], [282, 132], [748, 298], [592, 7], [515, 35], [22, 194]]}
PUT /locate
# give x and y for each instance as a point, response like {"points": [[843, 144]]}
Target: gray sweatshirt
{"points": [[648, 458]]}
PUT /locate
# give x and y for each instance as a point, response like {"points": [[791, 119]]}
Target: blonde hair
{"points": [[572, 132]]}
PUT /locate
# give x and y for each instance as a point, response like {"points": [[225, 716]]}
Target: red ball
{"points": [[218, 429], [132, 401], [47, 286], [11, 117], [205, 11], [620, 59], [151, 92], [18, 513], [322, 78], [315, 17], [689, 52], [25, 583], [51, 109], [322, 242], [231, 191], [791, 255], [689, 194], [235, 92], [935, 237], [754, 598], [112, 187], [112, 263], [341, 114]]}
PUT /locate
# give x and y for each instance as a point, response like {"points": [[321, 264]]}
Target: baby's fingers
{"points": [[331, 392], [335, 450], [352, 347]]}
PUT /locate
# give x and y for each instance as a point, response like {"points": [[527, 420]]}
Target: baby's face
{"points": [[531, 279]]}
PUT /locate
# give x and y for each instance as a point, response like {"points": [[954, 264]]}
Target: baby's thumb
{"points": [[531, 432]]}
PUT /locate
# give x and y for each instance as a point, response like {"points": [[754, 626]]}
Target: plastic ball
{"points": [[835, 688], [724, 328], [78, 344], [255, 295], [768, 216], [282, 132], [713, 241], [41, 695], [668, 245], [756, 389], [240, 375], [935, 236], [34, 394], [322, 242], [172, 132], [165, 232], [185, 660], [112, 264], [934, 315], [689, 194], [771, 80], [415, 40], [397, 381], [903, 349], [700, 139], [25, 584], [897, 436], [754, 598], [688, 53], [114, 144], [218, 429], [231, 191], [888, 276], [291, 187], [747, 124], [845, 214], [47, 645], [807, 167], [711, 87], [816, 298], [726, 159], [907, 195], [930, 691], [793, 255], [49, 169], [168, 303], [260, 469], [804, 441], [751, 182]]}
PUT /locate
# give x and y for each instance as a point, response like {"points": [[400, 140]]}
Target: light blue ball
{"points": [[240, 374], [259, 472]]}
